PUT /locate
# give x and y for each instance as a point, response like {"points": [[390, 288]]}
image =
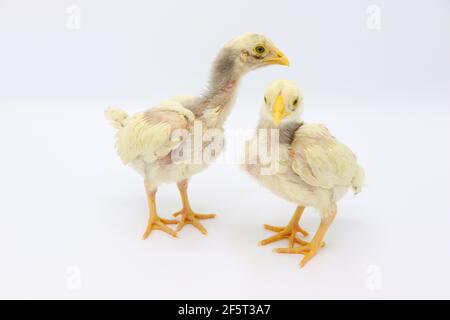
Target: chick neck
{"points": [[215, 104], [286, 130]]}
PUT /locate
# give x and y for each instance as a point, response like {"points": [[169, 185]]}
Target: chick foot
{"points": [[190, 217], [309, 251], [187, 215], [289, 232], [157, 223], [154, 221]]}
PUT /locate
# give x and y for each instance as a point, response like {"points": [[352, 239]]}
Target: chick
{"points": [[312, 168], [149, 141]]}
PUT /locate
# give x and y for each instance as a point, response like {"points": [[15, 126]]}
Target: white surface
{"points": [[67, 201], [68, 205]]}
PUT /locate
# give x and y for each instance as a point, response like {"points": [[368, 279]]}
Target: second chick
{"points": [[310, 167]]}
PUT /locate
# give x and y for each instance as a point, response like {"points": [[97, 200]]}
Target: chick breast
{"points": [[315, 169]]}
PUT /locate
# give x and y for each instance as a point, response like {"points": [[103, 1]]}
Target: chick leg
{"points": [[154, 221], [187, 215], [290, 231], [310, 250]]}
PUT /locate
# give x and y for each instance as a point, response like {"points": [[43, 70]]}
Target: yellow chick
{"points": [[312, 168], [150, 141]]}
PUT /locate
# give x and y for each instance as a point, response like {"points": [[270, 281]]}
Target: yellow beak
{"points": [[278, 110], [279, 58]]}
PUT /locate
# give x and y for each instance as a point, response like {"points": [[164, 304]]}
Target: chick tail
{"points": [[358, 180], [117, 117]]}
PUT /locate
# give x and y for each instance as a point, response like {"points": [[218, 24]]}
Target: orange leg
{"points": [[154, 221], [310, 250], [290, 231], [187, 215]]}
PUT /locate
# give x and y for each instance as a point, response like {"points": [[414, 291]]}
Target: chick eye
{"points": [[295, 103], [265, 100], [260, 49]]}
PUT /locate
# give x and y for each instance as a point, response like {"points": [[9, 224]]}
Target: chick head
{"points": [[252, 51], [283, 102]]}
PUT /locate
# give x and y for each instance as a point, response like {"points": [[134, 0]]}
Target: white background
{"points": [[71, 216]]}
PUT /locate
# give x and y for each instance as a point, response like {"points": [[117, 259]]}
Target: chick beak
{"points": [[278, 110], [279, 58]]}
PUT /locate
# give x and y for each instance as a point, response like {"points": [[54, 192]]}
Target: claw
{"points": [[190, 217], [158, 224], [271, 239], [309, 251], [289, 232], [308, 256], [292, 250], [300, 241], [303, 231], [273, 228]]}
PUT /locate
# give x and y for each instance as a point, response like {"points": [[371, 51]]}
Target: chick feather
{"points": [[322, 161], [146, 140], [315, 169], [116, 117], [147, 135]]}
